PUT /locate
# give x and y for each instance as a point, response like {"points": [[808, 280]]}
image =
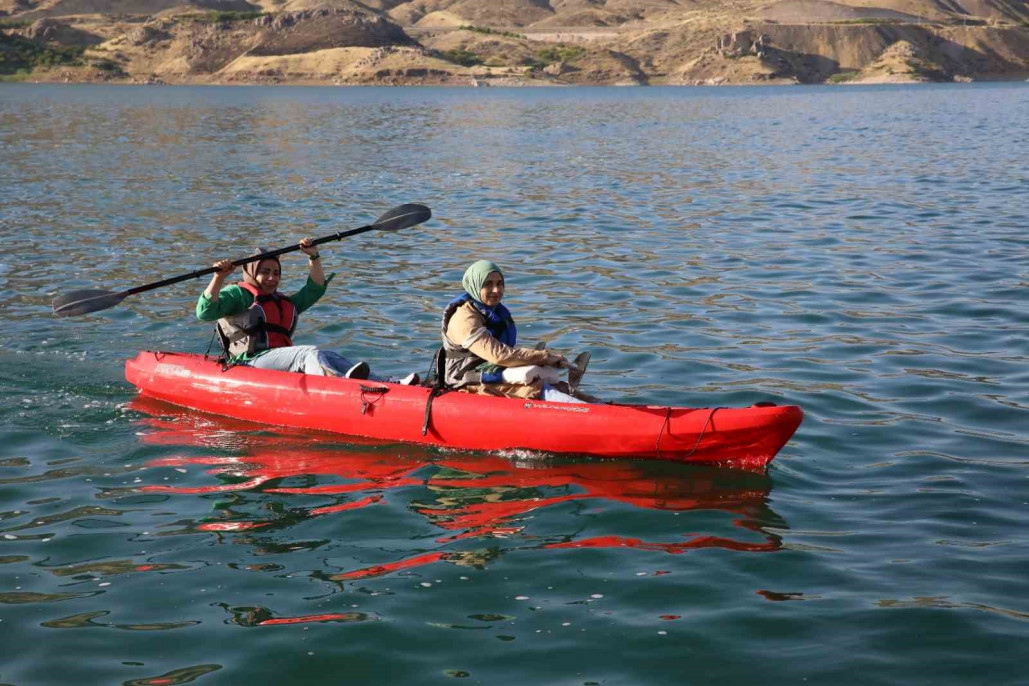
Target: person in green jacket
{"points": [[255, 322]]}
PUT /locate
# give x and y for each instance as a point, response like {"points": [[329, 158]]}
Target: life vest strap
{"points": [[275, 328], [242, 333]]}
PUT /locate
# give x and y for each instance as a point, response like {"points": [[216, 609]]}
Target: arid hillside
{"points": [[514, 42]]}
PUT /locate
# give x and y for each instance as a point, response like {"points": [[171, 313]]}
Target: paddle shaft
{"points": [[243, 260], [88, 300]]}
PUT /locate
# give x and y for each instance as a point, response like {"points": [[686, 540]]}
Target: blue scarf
{"points": [[498, 319]]}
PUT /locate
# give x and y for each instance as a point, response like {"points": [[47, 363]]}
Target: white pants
{"points": [[553, 395]]}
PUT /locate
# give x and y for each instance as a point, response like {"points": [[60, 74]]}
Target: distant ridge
{"points": [[518, 42]]}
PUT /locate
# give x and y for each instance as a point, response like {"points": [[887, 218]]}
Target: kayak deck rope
{"points": [[210, 344], [667, 422], [661, 431], [222, 359], [436, 391], [380, 391], [436, 379]]}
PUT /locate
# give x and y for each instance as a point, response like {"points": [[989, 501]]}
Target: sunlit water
{"points": [[861, 252]]}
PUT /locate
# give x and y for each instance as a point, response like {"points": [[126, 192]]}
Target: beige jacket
{"points": [[467, 329]]}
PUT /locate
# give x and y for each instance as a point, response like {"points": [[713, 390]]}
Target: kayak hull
{"points": [[746, 437]]}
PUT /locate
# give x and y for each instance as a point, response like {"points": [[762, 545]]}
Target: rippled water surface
{"points": [[861, 252]]}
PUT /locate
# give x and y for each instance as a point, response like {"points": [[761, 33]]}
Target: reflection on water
{"points": [[87, 620], [183, 675], [479, 504]]}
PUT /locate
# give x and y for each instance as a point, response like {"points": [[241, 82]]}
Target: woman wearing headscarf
{"points": [[255, 322], [480, 340]]}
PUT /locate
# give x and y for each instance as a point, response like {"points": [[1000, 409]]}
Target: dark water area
{"points": [[859, 251]]}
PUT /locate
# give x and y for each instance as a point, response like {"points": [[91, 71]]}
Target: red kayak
{"points": [[746, 437]]}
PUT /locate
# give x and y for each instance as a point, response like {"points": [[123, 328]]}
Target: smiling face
{"points": [[492, 289], [267, 276]]}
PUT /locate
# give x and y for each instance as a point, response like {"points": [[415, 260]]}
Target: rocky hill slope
{"points": [[514, 42]]}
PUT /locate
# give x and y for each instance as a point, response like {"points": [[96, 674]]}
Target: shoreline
{"points": [[509, 84]]}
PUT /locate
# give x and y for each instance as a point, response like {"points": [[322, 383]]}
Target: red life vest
{"points": [[268, 323], [280, 316]]}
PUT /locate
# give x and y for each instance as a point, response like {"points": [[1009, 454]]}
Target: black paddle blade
{"points": [[84, 301], [577, 369], [403, 217]]}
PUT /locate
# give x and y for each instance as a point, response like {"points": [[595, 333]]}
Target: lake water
{"points": [[859, 251]]}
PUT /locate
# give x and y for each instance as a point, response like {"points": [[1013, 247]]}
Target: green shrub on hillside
{"points": [[842, 77], [221, 16], [109, 66], [15, 23], [560, 53], [460, 56], [19, 54], [489, 31]]}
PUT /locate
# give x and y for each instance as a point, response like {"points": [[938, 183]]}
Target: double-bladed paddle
{"points": [[88, 300]]}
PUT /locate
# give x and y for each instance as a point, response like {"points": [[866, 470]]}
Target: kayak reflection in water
{"points": [[480, 345], [255, 322]]}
